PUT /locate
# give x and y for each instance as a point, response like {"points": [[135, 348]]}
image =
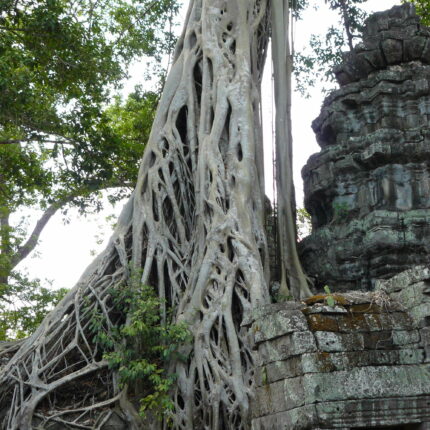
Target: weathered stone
{"points": [[368, 190], [353, 323], [294, 392], [278, 370], [368, 413], [404, 279], [353, 366], [379, 340], [367, 383], [334, 342], [261, 311], [393, 50], [295, 419], [269, 399], [322, 309], [279, 324], [402, 338], [323, 362], [321, 322], [364, 362], [287, 346]]}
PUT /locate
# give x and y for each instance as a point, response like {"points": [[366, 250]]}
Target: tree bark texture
{"points": [[194, 225], [293, 280]]}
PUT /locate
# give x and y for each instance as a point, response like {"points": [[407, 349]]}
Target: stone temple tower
{"points": [[368, 189]]}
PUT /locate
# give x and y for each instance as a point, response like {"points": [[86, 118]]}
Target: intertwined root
{"points": [[194, 225]]}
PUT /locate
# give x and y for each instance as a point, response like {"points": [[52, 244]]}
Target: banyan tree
{"points": [[194, 230]]}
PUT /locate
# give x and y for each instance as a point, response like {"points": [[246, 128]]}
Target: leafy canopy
{"points": [[423, 9], [63, 139], [59, 60]]}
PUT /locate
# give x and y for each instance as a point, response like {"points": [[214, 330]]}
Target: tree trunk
{"points": [[293, 280], [194, 225], [5, 250]]}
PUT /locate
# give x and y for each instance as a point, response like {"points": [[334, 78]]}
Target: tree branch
{"points": [[24, 250], [347, 24], [10, 142], [17, 141]]}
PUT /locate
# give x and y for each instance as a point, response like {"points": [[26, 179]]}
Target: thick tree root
{"points": [[194, 225]]}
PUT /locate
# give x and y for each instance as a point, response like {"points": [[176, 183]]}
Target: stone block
{"points": [[261, 312], [420, 314], [403, 337], [411, 356], [367, 383], [278, 370], [353, 323], [339, 342], [294, 393], [269, 399], [379, 412], [324, 362], [319, 308], [379, 340], [404, 279], [287, 346], [322, 322], [375, 58], [373, 322], [425, 56], [393, 50], [279, 324], [413, 48], [296, 419]]}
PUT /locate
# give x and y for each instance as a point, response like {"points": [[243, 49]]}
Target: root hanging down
{"points": [[194, 226]]}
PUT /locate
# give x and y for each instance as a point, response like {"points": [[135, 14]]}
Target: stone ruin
{"points": [[368, 190], [359, 356], [362, 363], [360, 359]]}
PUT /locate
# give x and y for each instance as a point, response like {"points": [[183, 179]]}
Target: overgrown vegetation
{"points": [[316, 63], [63, 138], [141, 348], [31, 302], [423, 9]]}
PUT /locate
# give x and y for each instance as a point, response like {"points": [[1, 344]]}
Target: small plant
{"points": [[330, 300], [141, 348]]}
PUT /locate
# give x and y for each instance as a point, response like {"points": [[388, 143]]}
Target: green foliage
{"points": [[25, 305], [304, 223], [422, 8], [330, 300], [281, 298], [141, 348], [59, 61], [316, 64], [62, 137]]}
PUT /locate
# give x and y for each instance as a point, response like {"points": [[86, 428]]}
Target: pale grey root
{"points": [[194, 225]]}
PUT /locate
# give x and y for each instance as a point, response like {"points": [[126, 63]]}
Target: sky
{"points": [[67, 249]]}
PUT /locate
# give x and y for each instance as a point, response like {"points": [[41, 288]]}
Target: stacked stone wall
{"points": [[368, 190], [362, 363]]}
